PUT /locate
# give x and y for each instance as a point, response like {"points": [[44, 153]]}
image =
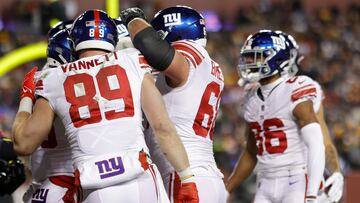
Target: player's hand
{"points": [[188, 191], [311, 200], [28, 86], [336, 183], [130, 13]]}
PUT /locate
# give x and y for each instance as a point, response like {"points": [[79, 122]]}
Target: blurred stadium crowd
{"points": [[329, 39]]}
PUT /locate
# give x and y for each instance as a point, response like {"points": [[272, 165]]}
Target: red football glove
{"points": [[28, 86], [188, 193]]}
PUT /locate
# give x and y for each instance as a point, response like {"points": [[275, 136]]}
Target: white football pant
{"points": [[210, 189], [281, 189], [148, 187]]}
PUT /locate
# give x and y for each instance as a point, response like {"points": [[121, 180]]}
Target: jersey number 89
{"points": [[87, 97]]}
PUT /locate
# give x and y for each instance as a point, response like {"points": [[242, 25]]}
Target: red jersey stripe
{"points": [[142, 60], [189, 57], [151, 169], [308, 92], [190, 50], [97, 24], [191, 46], [306, 185], [303, 87]]}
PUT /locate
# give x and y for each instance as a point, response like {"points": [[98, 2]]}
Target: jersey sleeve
{"points": [[144, 65], [302, 89], [192, 51], [46, 84], [319, 97]]}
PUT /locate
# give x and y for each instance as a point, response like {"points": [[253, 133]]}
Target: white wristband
{"points": [[26, 105], [185, 174]]}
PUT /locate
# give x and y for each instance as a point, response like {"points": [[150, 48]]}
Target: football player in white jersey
{"points": [[336, 180], [99, 99], [284, 136], [191, 89], [51, 164]]}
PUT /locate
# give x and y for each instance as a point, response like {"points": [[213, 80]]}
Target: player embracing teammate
{"points": [[99, 100]]}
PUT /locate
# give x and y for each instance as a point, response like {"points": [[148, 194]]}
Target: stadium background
{"points": [[328, 32]]}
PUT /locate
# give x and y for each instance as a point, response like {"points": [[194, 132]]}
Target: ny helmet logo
{"points": [[279, 42], [172, 19], [111, 167]]}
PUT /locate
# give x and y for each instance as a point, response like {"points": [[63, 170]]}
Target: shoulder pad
{"points": [[194, 52], [301, 86]]}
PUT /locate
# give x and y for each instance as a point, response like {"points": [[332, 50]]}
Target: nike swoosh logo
{"points": [[25, 90], [301, 82], [292, 183]]}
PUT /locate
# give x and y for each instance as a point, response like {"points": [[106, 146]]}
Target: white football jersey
{"points": [[319, 96], [53, 157], [98, 100], [278, 139], [192, 108]]}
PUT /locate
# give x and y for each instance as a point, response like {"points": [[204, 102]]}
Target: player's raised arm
{"points": [[165, 132], [313, 138], [157, 51], [154, 109], [246, 163], [31, 127]]}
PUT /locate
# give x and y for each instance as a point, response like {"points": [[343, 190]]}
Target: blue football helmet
{"points": [[264, 54], [295, 58], [59, 26], [59, 49], [180, 22], [94, 29]]}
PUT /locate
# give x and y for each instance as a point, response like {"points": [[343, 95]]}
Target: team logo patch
{"points": [[110, 167], [40, 196], [122, 31], [172, 19]]}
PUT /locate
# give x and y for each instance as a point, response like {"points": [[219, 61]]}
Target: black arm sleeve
{"points": [[157, 51]]}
